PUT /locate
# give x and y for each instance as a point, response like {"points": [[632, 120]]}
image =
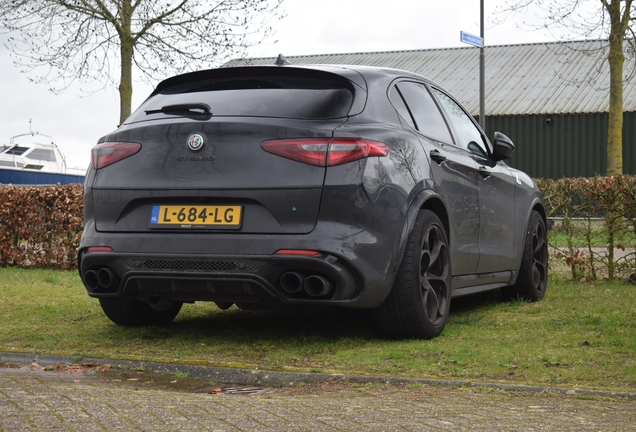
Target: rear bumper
{"points": [[238, 279], [199, 267]]}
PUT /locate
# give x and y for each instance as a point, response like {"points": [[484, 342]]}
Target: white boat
{"points": [[34, 159]]}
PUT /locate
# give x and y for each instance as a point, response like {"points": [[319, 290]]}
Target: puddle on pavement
{"points": [[138, 379]]}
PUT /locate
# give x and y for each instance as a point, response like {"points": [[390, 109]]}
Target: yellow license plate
{"points": [[196, 216]]}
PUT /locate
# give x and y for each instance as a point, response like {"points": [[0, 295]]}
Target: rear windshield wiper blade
{"points": [[187, 108]]}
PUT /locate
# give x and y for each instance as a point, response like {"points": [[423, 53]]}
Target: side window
{"points": [[398, 104], [428, 119], [469, 136]]}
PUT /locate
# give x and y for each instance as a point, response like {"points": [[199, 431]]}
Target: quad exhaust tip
{"points": [[91, 280], [295, 282], [103, 279], [107, 278], [292, 282], [317, 286]]}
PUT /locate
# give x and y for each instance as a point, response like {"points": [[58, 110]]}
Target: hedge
{"points": [[40, 227], [594, 230]]}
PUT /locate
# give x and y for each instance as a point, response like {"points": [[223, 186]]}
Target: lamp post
{"points": [[478, 41], [482, 73]]}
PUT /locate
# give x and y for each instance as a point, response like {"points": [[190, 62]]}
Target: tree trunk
{"points": [[615, 119], [616, 59], [127, 47], [125, 82]]}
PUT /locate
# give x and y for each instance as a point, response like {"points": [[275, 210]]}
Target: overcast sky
{"points": [[311, 27]]}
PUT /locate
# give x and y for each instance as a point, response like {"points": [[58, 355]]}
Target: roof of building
{"points": [[539, 78]]}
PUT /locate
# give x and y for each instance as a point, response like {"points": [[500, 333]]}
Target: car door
{"points": [[453, 171], [496, 190]]}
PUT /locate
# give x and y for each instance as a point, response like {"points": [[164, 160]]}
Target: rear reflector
{"points": [[100, 249], [296, 252], [325, 151], [108, 153]]}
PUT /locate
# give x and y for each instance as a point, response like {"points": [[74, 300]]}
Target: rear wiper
{"points": [[187, 108]]}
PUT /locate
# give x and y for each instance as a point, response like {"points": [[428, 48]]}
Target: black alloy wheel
{"points": [[533, 273], [419, 302]]}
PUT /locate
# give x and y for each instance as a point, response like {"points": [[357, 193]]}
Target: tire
{"points": [[130, 312], [419, 302], [533, 273]]}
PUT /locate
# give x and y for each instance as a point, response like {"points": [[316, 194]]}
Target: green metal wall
{"points": [[564, 145]]}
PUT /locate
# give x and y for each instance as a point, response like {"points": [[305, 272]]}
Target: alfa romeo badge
{"points": [[195, 142]]}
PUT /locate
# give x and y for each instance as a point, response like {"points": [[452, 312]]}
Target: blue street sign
{"points": [[471, 39]]}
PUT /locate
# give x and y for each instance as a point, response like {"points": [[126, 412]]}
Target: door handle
{"points": [[437, 156], [484, 172]]}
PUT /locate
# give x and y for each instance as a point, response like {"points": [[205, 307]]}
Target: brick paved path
{"points": [[48, 401]]}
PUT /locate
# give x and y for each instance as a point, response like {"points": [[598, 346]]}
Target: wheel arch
{"points": [[539, 207], [425, 200]]}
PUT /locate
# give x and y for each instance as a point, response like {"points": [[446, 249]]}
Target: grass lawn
{"points": [[598, 238], [579, 335]]}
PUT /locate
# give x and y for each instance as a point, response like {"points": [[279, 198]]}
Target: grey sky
{"points": [[310, 27]]}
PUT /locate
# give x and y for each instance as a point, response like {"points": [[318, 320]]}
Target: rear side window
{"points": [[396, 99], [428, 119], [266, 95]]}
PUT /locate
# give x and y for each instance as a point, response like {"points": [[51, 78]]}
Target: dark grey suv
{"points": [[289, 185]]}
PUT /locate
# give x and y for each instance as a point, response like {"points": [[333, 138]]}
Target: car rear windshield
{"points": [[265, 95]]}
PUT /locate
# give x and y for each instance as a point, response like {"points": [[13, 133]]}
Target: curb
{"points": [[251, 377]]}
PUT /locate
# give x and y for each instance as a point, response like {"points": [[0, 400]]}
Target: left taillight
{"points": [[108, 153], [325, 151]]}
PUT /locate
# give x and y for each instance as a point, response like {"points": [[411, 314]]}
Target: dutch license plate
{"points": [[196, 216]]}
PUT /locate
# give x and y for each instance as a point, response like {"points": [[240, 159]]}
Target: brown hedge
{"points": [[40, 226]]}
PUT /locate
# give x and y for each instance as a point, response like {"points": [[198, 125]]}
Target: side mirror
{"points": [[502, 147]]}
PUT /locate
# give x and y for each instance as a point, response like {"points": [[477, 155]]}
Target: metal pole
{"points": [[482, 74]]}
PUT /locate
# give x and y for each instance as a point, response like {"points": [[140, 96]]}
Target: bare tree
{"points": [[102, 40], [609, 20]]}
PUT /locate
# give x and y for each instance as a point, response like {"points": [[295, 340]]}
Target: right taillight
{"points": [[108, 153], [325, 151]]}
